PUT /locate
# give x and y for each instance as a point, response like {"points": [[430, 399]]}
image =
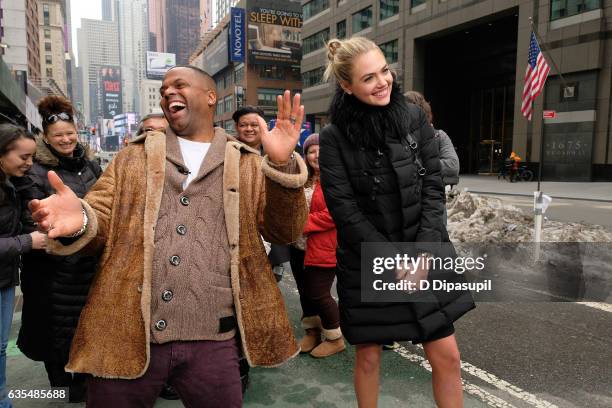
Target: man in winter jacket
{"points": [[183, 271]]}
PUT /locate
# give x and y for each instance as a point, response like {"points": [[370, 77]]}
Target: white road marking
{"points": [[485, 376], [606, 307], [479, 392]]}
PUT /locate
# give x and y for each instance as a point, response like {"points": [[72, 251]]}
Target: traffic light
{"points": [[93, 131]]}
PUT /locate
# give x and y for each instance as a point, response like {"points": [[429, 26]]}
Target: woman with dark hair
{"points": [[55, 288], [17, 148], [380, 173]]}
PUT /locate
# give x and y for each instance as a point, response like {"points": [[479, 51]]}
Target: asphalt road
{"points": [[590, 212]]}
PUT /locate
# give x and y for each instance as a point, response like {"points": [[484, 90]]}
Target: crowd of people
{"points": [[159, 275]]}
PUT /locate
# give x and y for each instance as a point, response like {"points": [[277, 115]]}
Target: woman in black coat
{"points": [[17, 148], [55, 288], [380, 173]]}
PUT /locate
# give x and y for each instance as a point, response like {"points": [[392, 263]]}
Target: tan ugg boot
{"points": [[333, 343], [312, 325]]}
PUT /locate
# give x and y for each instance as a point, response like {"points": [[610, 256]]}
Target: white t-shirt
{"points": [[193, 156]]}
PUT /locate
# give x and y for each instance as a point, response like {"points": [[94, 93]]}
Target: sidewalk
{"points": [[595, 191], [303, 382]]}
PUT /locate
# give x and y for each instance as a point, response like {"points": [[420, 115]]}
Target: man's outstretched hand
{"points": [[59, 215]]}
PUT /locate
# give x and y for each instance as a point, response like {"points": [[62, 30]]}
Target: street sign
{"points": [[549, 114]]}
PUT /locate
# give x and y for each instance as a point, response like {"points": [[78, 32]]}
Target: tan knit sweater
{"points": [[191, 288]]}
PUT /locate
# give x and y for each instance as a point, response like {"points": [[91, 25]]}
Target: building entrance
{"points": [[469, 80]]}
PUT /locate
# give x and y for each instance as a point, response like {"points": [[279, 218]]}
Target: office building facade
{"points": [[98, 44], [134, 43], [149, 97], [254, 69], [53, 43], [19, 33], [469, 60], [174, 27]]}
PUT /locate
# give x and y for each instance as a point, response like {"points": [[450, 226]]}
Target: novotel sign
{"points": [[237, 35]]}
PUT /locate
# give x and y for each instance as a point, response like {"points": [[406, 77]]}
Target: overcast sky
{"points": [[82, 9]]}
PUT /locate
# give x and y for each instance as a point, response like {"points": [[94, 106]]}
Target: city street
{"points": [[590, 203], [514, 355], [590, 212], [517, 354]]}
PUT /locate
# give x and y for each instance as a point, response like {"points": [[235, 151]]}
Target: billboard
{"points": [[237, 35], [274, 36], [158, 63], [216, 55], [110, 91]]}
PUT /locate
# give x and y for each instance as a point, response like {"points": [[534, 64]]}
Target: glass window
{"points": [[49, 72], [219, 109], [414, 3], [341, 29], [269, 72], [315, 41], [267, 96], [567, 8], [391, 51], [47, 46], [362, 19], [239, 75], [47, 33], [388, 8], [313, 77], [46, 14], [48, 59], [229, 126], [314, 7], [228, 103], [219, 83]]}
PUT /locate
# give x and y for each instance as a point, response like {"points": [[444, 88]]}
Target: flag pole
{"points": [[544, 48], [538, 205]]}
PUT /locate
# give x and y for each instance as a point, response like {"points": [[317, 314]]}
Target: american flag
{"points": [[535, 77]]}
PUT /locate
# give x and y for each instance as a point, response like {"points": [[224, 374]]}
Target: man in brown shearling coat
{"points": [[178, 218]]}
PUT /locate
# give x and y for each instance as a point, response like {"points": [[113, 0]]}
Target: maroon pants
{"points": [[318, 283], [203, 373]]}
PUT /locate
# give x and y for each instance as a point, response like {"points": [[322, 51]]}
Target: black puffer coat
{"points": [[13, 242], [55, 288], [374, 194]]}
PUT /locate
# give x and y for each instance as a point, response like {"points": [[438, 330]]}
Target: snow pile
{"points": [[474, 218]]}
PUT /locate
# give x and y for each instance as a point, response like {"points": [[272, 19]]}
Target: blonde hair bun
{"points": [[341, 54], [332, 48]]}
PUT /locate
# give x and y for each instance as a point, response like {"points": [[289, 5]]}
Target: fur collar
{"points": [[370, 126], [46, 157]]}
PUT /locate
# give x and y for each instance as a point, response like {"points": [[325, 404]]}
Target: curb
{"points": [[599, 200]]}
